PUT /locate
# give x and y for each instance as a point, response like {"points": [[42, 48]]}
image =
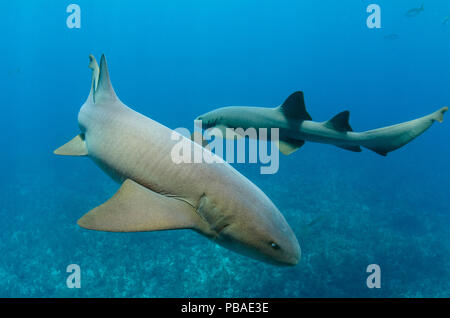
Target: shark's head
{"points": [[214, 118], [256, 229], [229, 116], [269, 239]]}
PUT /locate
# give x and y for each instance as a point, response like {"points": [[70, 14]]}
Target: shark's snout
{"points": [[294, 256], [205, 121], [291, 253], [198, 121]]}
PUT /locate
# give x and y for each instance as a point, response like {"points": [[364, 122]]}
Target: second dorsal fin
{"points": [[294, 107], [339, 122]]}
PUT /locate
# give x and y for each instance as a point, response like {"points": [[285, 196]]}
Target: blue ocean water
{"points": [[173, 60]]}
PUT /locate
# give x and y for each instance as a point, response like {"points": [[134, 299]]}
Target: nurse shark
{"points": [[296, 126], [156, 193]]}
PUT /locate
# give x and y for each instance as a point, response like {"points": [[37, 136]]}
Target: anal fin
{"points": [[75, 147], [351, 148], [135, 208]]}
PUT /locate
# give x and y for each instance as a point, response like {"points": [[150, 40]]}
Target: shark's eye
{"points": [[275, 246]]}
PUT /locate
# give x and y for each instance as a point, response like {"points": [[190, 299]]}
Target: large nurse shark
{"points": [[296, 126], [158, 194]]}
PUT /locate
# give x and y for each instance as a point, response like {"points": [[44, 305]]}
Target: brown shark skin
{"points": [[226, 207]]}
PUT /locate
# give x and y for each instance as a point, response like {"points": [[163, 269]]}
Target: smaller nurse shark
{"points": [[296, 126], [157, 193]]}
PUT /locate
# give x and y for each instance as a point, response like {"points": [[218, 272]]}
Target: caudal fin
{"points": [[386, 139], [439, 115], [95, 73], [104, 89]]}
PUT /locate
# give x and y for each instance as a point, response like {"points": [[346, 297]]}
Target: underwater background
{"points": [[174, 60]]}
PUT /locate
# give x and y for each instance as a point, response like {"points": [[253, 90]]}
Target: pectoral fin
{"points": [[75, 147], [288, 146], [135, 208]]}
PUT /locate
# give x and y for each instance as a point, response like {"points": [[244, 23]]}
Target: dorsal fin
{"points": [[339, 122], [95, 73], [294, 107], [104, 89]]}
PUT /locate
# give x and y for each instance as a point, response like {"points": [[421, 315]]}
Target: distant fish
{"points": [[446, 20], [414, 12], [392, 36], [14, 71]]}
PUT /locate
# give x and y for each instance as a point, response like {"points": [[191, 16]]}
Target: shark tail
{"points": [[439, 115], [95, 73], [101, 87], [386, 139]]}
